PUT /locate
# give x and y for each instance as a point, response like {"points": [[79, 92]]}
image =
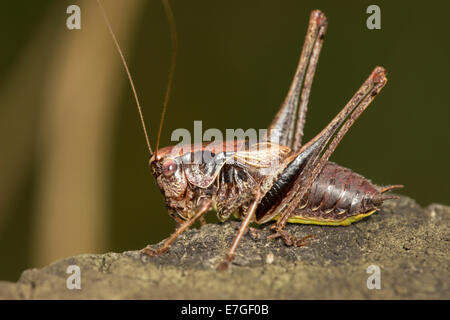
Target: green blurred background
{"points": [[73, 166]]}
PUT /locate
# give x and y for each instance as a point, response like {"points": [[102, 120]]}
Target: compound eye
{"points": [[169, 167]]}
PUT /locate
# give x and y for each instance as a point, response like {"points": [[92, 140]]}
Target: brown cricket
{"points": [[298, 183]]}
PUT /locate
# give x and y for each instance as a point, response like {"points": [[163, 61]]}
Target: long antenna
{"points": [[129, 77], [173, 37]]}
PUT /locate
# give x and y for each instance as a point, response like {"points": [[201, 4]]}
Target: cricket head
{"points": [[171, 180], [185, 174]]}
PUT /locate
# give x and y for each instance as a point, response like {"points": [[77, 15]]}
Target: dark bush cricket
{"points": [[300, 185]]}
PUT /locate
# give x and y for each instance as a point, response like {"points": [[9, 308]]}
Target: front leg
{"points": [[205, 207]]}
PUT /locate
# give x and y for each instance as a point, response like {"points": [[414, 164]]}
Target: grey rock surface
{"points": [[409, 244]]}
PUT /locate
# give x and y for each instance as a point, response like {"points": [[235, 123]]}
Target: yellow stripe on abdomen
{"points": [[325, 222]]}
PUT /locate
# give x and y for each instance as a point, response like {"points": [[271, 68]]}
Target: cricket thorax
{"points": [[234, 190]]}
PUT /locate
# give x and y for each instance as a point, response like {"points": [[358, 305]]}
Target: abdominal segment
{"points": [[339, 196]]}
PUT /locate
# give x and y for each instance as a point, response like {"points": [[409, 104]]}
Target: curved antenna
{"points": [[173, 37], [129, 76]]}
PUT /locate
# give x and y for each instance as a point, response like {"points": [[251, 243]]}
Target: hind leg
{"points": [[289, 239]]}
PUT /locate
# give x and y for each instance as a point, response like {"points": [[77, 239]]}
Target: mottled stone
{"points": [[409, 244]]}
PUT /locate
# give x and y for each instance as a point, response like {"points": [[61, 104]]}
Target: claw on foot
{"points": [[303, 241], [151, 252], [275, 233], [289, 239], [223, 266]]}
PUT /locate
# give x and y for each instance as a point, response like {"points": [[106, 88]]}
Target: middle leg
{"points": [[243, 228]]}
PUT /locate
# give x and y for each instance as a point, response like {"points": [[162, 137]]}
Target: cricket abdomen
{"points": [[339, 196]]}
